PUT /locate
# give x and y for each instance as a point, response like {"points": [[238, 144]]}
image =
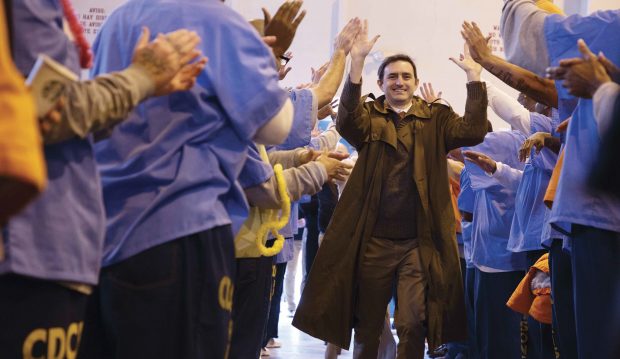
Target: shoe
{"points": [[273, 343], [264, 352]]}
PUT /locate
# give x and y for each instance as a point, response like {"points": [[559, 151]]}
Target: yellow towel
{"points": [[22, 167]]}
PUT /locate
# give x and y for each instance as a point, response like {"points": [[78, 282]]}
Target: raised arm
{"points": [[470, 129], [327, 86], [540, 89], [351, 122]]}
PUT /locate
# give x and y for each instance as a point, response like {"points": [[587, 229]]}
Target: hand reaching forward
{"points": [[336, 169], [283, 25], [536, 140], [581, 76], [486, 163], [476, 42], [467, 64], [346, 37]]}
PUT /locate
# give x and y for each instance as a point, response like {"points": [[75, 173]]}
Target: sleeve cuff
{"points": [[476, 90], [142, 82]]}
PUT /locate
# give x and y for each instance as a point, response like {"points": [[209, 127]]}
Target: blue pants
{"points": [[498, 332], [562, 295], [470, 282], [595, 259]]}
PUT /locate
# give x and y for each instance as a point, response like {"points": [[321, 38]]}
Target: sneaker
{"points": [[264, 352], [273, 343]]}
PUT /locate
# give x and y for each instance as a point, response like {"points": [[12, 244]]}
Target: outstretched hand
{"points": [[536, 140], [478, 44], [581, 76], [486, 163], [283, 25], [428, 93], [467, 64], [362, 45], [346, 37]]}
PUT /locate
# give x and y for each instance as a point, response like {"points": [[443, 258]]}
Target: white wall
{"points": [[426, 30]]}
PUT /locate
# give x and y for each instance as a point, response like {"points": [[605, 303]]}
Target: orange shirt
{"points": [[22, 167], [553, 182]]}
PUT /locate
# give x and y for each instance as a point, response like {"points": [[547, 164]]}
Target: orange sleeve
{"points": [[22, 167]]}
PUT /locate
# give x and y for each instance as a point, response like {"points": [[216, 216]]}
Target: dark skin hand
{"points": [[283, 25], [539, 140], [540, 89], [486, 163], [582, 76]]}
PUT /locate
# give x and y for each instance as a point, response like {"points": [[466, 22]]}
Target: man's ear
{"points": [[380, 84], [417, 82]]}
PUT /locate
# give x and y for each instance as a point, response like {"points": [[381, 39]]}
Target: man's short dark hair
{"points": [[394, 58]]}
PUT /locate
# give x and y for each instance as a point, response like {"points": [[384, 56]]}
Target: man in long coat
{"points": [[394, 222]]}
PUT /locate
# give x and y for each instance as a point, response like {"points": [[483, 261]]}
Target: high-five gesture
{"points": [[362, 45], [346, 37], [478, 44], [360, 49], [467, 63], [283, 25]]}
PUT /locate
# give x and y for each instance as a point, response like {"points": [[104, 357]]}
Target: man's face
{"points": [[398, 83]]}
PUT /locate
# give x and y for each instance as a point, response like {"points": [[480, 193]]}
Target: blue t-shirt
{"points": [[58, 236], [494, 205], [528, 221], [171, 168], [304, 117], [574, 202]]}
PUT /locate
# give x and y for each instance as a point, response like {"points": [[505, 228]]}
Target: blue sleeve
{"points": [[240, 77], [242, 72], [255, 171], [303, 119], [466, 198]]}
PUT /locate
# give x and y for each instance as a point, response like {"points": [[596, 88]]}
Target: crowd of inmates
{"points": [[156, 208]]}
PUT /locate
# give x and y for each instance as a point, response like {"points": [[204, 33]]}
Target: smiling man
{"points": [[394, 225]]}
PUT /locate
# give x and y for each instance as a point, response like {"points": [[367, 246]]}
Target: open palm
{"points": [[362, 45], [466, 62]]}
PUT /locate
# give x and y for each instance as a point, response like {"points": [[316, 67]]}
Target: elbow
{"points": [[276, 130]]}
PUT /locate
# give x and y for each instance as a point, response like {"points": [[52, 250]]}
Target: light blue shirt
{"points": [[494, 205], [574, 202], [528, 221], [59, 236], [171, 168]]}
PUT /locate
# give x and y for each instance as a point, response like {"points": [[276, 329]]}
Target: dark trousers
{"points": [[470, 281], [311, 246], [250, 306], [461, 348], [539, 335], [563, 305], [497, 326], [274, 308], [170, 301], [384, 262], [39, 318], [595, 259]]}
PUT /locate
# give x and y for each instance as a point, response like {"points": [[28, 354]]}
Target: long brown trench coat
{"points": [[326, 309]]}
